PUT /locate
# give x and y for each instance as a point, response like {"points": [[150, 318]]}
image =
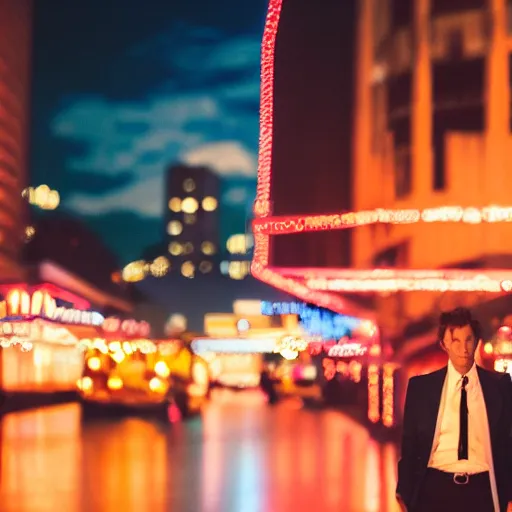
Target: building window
{"points": [[393, 257], [402, 12], [189, 205], [174, 228], [509, 16], [403, 178], [189, 218], [175, 204], [209, 204], [399, 96], [189, 185], [458, 83], [455, 44], [379, 117], [439, 162], [438, 7]]}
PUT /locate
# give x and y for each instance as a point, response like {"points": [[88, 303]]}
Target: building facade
{"points": [[192, 221], [432, 127], [15, 61]]}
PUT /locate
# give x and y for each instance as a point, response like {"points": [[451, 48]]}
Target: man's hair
{"points": [[458, 317]]}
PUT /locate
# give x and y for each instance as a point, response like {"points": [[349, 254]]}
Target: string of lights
{"points": [[320, 286]]}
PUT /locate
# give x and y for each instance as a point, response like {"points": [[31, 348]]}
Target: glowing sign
{"points": [[41, 304], [75, 316], [292, 343], [314, 320], [319, 285], [25, 333], [128, 327], [503, 366], [234, 345], [282, 308], [347, 350]]}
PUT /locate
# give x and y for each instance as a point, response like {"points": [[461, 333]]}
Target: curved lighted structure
{"points": [[319, 285]]}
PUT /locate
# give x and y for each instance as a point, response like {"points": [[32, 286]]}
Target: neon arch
{"points": [[319, 285]]}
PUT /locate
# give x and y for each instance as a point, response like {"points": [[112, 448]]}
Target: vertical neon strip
{"points": [[373, 393]]}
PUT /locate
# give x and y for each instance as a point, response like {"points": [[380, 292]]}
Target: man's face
{"points": [[460, 345]]}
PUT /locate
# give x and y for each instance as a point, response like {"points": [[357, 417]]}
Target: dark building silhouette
{"points": [[15, 59], [311, 158], [192, 220], [71, 245]]}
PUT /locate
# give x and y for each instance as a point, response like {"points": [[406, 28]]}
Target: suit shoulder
{"points": [[497, 376], [428, 376]]}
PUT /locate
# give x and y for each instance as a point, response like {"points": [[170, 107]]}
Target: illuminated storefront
{"points": [[126, 371], [496, 354], [39, 340], [347, 356]]}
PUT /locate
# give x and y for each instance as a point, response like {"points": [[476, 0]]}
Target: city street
{"points": [[241, 456]]}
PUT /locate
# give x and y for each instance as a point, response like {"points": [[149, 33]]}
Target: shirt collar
{"points": [[455, 378]]}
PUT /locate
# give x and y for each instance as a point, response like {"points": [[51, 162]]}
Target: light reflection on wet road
{"points": [[242, 456]]}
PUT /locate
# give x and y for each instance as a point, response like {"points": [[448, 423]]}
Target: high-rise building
{"points": [[192, 220], [432, 128], [15, 60]]}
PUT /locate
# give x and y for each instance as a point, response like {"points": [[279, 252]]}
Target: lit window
{"points": [[159, 267], [189, 185], [174, 228], [188, 248], [190, 218], [175, 248], [188, 269], [189, 205], [237, 244], [224, 267], [175, 204], [209, 204], [205, 267], [208, 248], [238, 269]]}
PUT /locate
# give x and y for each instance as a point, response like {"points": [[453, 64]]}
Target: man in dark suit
{"points": [[457, 430]]}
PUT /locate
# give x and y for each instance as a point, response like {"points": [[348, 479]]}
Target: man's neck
{"points": [[463, 370]]}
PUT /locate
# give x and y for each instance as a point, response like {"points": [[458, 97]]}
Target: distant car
{"points": [[143, 378]]}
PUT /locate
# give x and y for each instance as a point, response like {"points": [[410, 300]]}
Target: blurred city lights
{"points": [[42, 196], [138, 270]]}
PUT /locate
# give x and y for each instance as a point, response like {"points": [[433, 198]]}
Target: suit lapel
{"points": [[492, 398], [433, 400]]}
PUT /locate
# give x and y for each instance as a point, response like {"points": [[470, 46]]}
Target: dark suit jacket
{"points": [[419, 425]]}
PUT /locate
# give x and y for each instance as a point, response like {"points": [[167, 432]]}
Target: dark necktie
{"points": [[463, 432]]}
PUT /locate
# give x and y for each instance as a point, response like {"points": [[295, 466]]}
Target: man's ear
{"points": [[442, 345]]}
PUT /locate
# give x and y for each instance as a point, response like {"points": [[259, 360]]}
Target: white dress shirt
{"points": [[444, 455]]}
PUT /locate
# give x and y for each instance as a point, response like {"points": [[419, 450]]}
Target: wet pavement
{"points": [[241, 456]]}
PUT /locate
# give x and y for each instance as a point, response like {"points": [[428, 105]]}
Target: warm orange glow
{"points": [[388, 403], [162, 370], [94, 363], [419, 216], [373, 393], [114, 383]]}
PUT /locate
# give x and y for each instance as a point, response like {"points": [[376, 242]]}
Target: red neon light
{"points": [[54, 290], [319, 285]]}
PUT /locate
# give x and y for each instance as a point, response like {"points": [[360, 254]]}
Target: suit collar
{"points": [[492, 396], [433, 401]]}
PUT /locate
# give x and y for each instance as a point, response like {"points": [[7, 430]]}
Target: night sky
{"points": [[124, 88]]}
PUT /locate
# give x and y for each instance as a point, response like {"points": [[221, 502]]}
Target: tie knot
{"points": [[465, 381]]}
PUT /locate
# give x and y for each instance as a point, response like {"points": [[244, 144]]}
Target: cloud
{"points": [[145, 198], [206, 114], [224, 158], [236, 196]]}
